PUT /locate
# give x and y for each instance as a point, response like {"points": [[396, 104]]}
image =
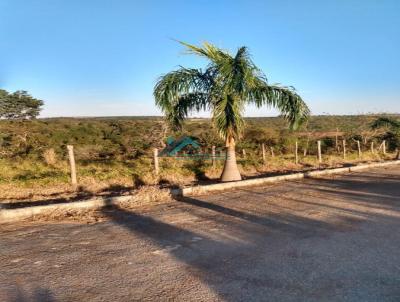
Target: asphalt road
{"points": [[329, 239]]}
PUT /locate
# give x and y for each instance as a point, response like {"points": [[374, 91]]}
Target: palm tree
{"points": [[224, 87]]}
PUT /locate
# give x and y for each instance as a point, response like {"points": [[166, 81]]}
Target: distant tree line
{"points": [[19, 105]]}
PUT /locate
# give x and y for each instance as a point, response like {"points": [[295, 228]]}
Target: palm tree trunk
{"points": [[231, 171]]}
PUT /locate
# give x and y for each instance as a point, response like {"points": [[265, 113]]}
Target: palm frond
{"points": [[227, 84], [181, 91], [208, 51], [285, 99], [186, 103], [228, 117]]}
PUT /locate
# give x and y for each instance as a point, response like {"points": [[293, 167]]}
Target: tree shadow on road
{"points": [[294, 225], [237, 231], [367, 188], [201, 254], [220, 259], [38, 294]]}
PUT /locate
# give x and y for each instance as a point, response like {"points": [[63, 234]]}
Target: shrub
{"points": [[49, 156]]}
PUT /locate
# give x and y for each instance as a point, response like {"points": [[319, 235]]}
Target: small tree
{"points": [[19, 105], [225, 87], [392, 127]]}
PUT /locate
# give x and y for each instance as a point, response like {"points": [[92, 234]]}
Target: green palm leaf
{"points": [[224, 87]]}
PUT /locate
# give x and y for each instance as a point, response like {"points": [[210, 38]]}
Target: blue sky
{"points": [[98, 57]]}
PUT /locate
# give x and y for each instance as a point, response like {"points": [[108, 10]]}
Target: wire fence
{"points": [[89, 168], [263, 153]]}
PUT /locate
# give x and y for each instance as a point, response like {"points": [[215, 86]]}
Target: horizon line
{"points": [[199, 117]]}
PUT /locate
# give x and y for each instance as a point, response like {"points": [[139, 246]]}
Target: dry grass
{"points": [[151, 192], [80, 216], [32, 181], [49, 156], [143, 196]]}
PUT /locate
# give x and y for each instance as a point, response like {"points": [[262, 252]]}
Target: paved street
{"points": [[328, 239]]}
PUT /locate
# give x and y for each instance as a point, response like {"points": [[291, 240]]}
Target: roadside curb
{"points": [[10, 215], [202, 189]]}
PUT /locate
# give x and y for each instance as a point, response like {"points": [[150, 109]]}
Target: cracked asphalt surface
{"points": [[327, 239]]}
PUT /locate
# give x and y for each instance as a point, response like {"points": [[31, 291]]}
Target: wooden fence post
{"points": [[156, 166], [372, 148], [337, 140], [263, 153], [359, 149], [384, 147], [244, 153], [272, 151], [319, 152], [213, 157], [344, 149], [71, 157], [296, 153], [305, 149]]}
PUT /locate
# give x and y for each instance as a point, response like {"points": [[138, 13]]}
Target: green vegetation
{"points": [[19, 105], [225, 87], [392, 130], [115, 154]]}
